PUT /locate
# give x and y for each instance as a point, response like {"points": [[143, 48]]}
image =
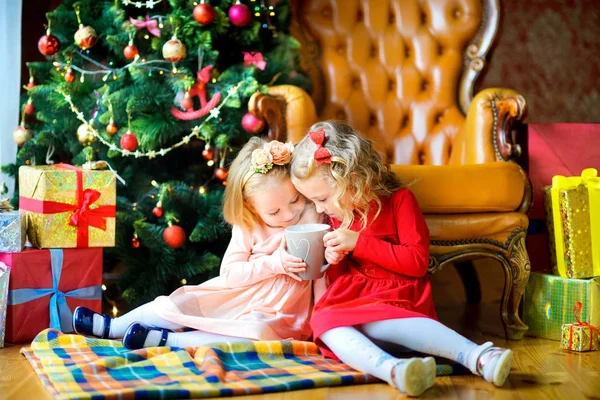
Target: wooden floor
{"points": [[540, 370]]}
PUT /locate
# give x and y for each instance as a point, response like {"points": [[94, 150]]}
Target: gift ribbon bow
{"points": [[5, 205], [254, 58], [577, 310], [151, 25], [321, 155], [83, 215], [60, 313]]}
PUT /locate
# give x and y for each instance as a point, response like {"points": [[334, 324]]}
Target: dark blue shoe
{"points": [[136, 334], [83, 322]]}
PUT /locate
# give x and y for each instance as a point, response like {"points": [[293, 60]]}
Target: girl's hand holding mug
{"points": [[341, 240], [334, 257], [290, 263]]}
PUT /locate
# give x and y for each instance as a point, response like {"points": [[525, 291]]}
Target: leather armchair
{"points": [[402, 73]]}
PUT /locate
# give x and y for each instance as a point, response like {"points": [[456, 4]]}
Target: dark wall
{"points": [[549, 51]]}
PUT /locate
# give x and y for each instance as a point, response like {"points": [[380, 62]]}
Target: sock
{"points": [[412, 376], [153, 338], [98, 325], [423, 335], [144, 314], [199, 338]]}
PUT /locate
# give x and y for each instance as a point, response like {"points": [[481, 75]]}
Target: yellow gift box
{"points": [[576, 220], [580, 336], [66, 206]]}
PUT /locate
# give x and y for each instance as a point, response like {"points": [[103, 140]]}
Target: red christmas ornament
{"points": [[187, 101], [221, 173], [29, 107], [85, 37], [174, 236], [252, 124], [31, 83], [239, 14], [70, 75], [130, 52], [174, 50], [208, 152], [157, 211], [111, 128], [135, 243], [48, 44], [204, 13], [129, 141]]}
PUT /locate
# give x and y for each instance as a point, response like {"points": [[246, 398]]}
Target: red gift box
{"points": [[45, 287]]}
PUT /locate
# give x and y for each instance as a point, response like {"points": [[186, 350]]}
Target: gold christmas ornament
{"points": [[86, 37], [22, 135], [174, 50], [85, 135]]}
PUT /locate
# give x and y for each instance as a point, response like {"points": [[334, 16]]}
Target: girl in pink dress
{"points": [[257, 295], [379, 253]]}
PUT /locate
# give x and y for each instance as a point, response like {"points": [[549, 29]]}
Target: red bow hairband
{"points": [[321, 155]]}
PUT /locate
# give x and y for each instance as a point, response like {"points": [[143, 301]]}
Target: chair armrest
{"points": [[288, 110], [491, 129], [463, 189]]}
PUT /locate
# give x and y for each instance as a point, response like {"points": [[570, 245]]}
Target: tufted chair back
{"points": [[400, 71]]}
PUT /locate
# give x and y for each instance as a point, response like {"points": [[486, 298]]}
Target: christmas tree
{"points": [[158, 90]]}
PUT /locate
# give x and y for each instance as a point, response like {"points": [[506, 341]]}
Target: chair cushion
{"points": [[497, 226], [459, 189]]}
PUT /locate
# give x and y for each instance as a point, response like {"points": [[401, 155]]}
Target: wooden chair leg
{"points": [[470, 279], [516, 271]]}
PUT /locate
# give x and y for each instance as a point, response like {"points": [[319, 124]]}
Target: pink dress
{"points": [[253, 297]]}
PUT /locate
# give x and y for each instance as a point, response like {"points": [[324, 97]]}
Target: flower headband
{"points": [[272, 153], [321, 154]]}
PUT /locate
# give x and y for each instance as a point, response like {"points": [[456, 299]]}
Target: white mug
{"points": [[306, 241]]}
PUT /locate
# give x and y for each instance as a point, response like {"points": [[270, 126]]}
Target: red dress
{"points": [[384, 277]]}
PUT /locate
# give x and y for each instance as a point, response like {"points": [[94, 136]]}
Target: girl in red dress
{"points": [[379, 252]]}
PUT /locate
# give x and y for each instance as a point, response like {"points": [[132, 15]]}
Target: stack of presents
{"points": [[51, 248], [562, 299]]}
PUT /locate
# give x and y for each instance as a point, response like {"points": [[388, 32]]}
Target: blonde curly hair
{"points": [[356, 169], [241, 185]]}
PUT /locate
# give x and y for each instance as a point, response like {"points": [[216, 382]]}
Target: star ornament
{"points": [[214, 113]]}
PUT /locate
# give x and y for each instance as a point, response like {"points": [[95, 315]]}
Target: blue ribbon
{"points": [[60, 313]]}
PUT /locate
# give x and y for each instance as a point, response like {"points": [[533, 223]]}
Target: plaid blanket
{"points": [[76, 367]]}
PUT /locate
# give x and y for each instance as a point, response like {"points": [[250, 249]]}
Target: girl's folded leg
{"points": [[432, 337], [410, 376]]}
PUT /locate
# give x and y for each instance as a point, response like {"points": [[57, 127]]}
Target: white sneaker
{"points": [[414, 376], [493, 363]]}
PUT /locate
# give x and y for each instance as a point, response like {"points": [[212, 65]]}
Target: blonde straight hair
{"points": [[240, 187], [356, 170]]}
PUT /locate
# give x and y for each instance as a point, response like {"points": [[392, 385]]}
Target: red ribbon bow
{"points": [[577, 310], [321, 155], [254, 58], [151, 25], [83, 216]]}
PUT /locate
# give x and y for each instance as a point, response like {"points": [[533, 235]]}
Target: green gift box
{"points": [[549, 301]]}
